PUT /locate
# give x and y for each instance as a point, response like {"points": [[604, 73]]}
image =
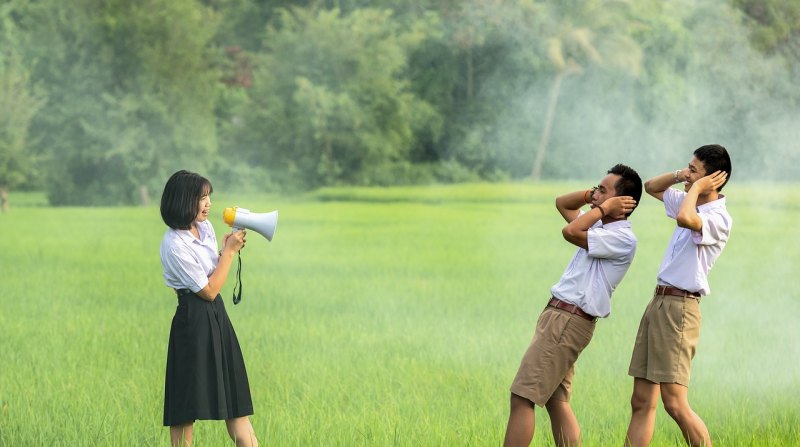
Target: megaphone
{"points": [[262, 223]]}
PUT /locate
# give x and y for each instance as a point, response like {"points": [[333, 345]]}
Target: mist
{"points": [[719, 90], [725, 92]]}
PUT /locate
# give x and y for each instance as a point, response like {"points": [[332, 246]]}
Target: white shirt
{"points": [[691, 254], [593, 274], [187, 261]]}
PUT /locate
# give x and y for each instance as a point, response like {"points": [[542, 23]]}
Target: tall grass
{"points": [[377, 317]]}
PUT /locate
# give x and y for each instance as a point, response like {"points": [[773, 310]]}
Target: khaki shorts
{"points": [[667, 339], [548, 366]]}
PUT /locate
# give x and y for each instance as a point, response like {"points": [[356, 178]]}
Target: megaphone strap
{"points": [[237, 296]]}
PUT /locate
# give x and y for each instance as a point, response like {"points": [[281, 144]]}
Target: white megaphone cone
{"points": [[262, 223]]}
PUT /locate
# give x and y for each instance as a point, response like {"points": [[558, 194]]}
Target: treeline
{"points": [[100, 100]]}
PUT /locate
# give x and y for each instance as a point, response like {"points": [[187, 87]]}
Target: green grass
{"points": [[382, 317]]}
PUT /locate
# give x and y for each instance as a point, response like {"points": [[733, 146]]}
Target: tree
{"points": [[328, 103], [582, 33], [132, 88], [469, 70], [775, 24], [19, 102], [242, 22]]}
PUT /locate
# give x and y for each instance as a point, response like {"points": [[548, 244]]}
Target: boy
{"points": [[670, 327], [606, 246]]}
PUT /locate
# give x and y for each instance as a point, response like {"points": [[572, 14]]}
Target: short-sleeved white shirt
{"points": [[187, 261], [691, 254], [593, 274]]}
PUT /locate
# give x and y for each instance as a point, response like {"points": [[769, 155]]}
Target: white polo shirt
{"points": [[691, 254], [188, 262], [593, 274]]}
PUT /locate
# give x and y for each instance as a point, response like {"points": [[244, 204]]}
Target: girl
{"points": [[206, 376]]}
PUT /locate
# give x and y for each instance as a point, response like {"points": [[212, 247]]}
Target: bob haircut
{"points": [[179, 202]]}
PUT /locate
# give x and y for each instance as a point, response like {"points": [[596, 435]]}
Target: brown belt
{"points": [[674, 291], [571, 308]]}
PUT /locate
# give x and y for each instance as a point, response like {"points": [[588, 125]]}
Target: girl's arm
{"points": [[232, 244]]}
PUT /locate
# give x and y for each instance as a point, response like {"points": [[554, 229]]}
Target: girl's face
{"points": [[203, 207]]}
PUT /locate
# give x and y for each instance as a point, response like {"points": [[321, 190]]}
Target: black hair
{"points": [[629, 183], [714, 158], [181, 197]]}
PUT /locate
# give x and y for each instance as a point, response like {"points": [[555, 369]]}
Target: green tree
{"points": [[468, 69], [775, 25], [242, 22], [582, 33], [19, 102], [329, 104], [132, 90]]}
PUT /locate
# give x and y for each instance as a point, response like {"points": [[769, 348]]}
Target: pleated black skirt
{"points": [[206, 376]]}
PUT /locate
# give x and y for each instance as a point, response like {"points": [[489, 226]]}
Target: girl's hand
{"points": [[234, 241]]}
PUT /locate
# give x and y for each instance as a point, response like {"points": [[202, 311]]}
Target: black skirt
{"points": [[206, 376]]}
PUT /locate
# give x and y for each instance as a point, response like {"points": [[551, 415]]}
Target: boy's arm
{"points": [[577, 231], [657, 185], [687, 215], [570, 204]]}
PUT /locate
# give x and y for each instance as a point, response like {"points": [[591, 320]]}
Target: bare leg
{"points": [[181, 435], [643, 413], [676, 402], [521, 422], [566, 431], [241, 431]]}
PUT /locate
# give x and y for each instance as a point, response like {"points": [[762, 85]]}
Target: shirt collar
{"points": [[188, 237], [624, 223], [719, 203]]}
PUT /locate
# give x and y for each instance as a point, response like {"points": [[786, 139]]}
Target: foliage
{"points": [[132, 94], [776, 24], [19, 103], [328, 105], [111, 96]]}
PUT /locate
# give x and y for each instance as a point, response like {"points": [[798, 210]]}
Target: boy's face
{"points": [[694, 172], [605, 190]]}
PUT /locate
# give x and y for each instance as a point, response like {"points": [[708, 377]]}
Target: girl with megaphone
{"points": [[206, 376]]}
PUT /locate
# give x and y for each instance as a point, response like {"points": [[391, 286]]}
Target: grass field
{"points": [[382, 318]]}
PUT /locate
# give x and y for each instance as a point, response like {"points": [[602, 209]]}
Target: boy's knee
{"points": [[643, 402], [519, 402], [676, 408]]}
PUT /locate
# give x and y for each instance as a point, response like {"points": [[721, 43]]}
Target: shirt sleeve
{"points": [[716, 228], [609, 244], [182, 264], [672, 201]]}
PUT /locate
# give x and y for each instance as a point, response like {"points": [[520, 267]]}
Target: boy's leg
{"points": [[676, 402], [546, 368], [521, 422], [643, 412], [566, 431]]}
